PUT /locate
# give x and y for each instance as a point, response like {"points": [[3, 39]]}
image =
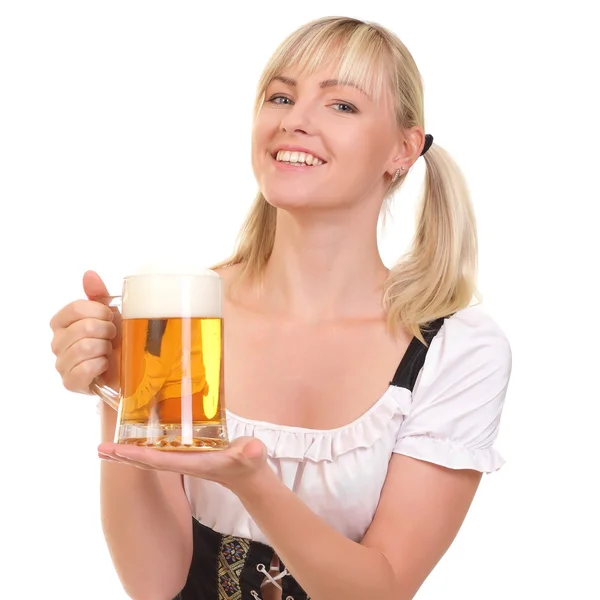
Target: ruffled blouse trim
{"points": [[450, 454], [283, 441]]}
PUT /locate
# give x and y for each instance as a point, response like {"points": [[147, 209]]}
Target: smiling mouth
{"points": [[297, 159]]}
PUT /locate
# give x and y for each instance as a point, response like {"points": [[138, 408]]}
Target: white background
{"points": [[124, 126]]}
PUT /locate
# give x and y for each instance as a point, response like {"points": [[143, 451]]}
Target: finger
{"points": [[107, 458], [80, 377], [81, 351], [190, 463], [115, 460], [80, 309], [108, 451], [93, 286], [85, 328], [251, 448]]}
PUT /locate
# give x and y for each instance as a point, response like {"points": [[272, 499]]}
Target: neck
{"points": [[324, 268]]}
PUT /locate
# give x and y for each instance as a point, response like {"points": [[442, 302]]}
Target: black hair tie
{"points": [[428, 142]]}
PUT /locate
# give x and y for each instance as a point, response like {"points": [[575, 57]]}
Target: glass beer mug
{"points": [[171, 382]]}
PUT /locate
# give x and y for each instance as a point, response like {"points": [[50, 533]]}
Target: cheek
{"points": [[262, 136], [254, 156], [257, 152], [361, 151], [373, 147]]}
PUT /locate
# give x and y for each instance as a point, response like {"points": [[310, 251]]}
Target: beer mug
{"points": [[171, 383]]}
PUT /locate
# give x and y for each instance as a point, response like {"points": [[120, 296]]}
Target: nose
{"points": [[297, 120]]}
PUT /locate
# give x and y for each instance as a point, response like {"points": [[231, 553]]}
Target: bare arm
{"points": [[420, 512], [146, 517], [147, 524]]}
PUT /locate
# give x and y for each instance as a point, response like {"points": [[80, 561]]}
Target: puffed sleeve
{"points": [[459, 395]]}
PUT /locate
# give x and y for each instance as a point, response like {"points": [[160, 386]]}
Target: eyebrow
{"points": [[323, 84]]}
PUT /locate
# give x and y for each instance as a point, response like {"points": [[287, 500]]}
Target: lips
{"points": [[289, 148], [295, 167]]}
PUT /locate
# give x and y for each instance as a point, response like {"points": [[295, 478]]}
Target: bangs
{"points": [[357, 53]]}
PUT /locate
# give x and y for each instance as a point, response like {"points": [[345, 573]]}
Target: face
{"points": [[350, 138]]}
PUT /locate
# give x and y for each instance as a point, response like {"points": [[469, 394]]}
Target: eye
{"points": [[347, 108], [274, 99]]}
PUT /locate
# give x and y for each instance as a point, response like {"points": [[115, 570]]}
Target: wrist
{"points": [[255, 485]]}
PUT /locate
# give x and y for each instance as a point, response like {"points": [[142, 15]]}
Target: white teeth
{"points": [[298, 158]]}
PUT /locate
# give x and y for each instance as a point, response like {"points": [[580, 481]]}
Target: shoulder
{"points": [[231, 279], [467, 340], [228, 273], [473, 324], [467, 369], [459, 394]]}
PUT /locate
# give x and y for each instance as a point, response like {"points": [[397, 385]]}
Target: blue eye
{"points": [[273, 99], [349, 106]]}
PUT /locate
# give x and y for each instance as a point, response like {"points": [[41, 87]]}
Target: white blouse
{"points": [[451, 418]]}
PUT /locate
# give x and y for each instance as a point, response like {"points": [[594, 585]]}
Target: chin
{"points": [[291, 200]]}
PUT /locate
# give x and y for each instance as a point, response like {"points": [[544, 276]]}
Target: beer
{"points": [[172, 363]]}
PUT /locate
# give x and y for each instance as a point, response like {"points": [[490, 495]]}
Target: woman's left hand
{"points": [[238, 465]]}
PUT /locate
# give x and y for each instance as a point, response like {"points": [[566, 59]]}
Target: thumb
{"points": [[249, 447], [93, 286]]}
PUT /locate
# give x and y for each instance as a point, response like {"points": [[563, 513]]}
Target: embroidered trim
{"points": [[232, 556]]}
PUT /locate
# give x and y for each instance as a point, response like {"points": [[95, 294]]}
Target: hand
{"points": [[86, 339], [240, 465]]}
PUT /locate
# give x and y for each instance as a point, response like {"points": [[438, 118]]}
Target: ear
{"points": [[408, 149]]}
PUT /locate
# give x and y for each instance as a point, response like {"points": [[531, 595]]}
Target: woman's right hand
{"points": [[86, 339]]}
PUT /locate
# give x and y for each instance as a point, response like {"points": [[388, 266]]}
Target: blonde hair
{"points": [[436, 276]]}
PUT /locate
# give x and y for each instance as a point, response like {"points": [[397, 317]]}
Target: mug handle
{"points": [[98, 386]]}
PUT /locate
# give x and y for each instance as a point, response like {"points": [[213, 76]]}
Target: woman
{"points": [[363, 402]]}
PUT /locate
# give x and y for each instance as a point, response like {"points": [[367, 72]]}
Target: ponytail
{"points": [[437, 276]]}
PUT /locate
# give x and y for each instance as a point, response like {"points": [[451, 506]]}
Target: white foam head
{"points": [[162, 290]]}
